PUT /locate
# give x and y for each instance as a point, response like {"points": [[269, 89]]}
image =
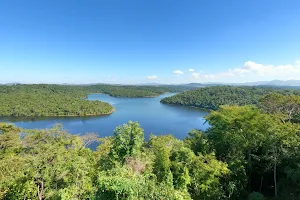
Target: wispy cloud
{"points": [[178, 72], [191, 70], [253, 71], [152, 77], [196, 75]]}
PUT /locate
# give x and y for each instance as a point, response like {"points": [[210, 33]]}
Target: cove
{"points": [[153, 116]]}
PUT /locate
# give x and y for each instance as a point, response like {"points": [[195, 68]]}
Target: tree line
{"points": [[214, 96], [248, 152]]}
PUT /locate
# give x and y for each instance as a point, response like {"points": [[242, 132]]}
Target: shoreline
{"points": [[180, 105], [88, 115], [127, 96]]}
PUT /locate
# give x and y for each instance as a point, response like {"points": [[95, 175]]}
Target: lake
{"points": [[153, 116]]}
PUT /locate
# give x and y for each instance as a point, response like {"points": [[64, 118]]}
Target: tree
{"points": [[286, 105], [198, 142], [49, 164], [281, 148], [237, 134], [162, 147], [127, 141], [206, 173]]}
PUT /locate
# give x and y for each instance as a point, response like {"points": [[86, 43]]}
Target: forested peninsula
{"points": [[248, 152], [214, 96], [66, 100]]}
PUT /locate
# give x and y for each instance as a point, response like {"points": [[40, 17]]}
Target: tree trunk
{"points": [[40, 190], [261, 182], [250, 170], [275, 180]]}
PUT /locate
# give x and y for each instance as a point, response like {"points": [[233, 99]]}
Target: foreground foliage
{"points": [[52, 164]]}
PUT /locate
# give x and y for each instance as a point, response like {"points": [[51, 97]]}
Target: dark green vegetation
{"points": [[248, 152], [66, 100], [215, 96], [132, 91]]}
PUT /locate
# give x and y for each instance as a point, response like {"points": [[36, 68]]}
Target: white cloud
{"points": [[152, 77], [196, 75], [252, 71], [191, 70], [282, 72], [178, 72]]}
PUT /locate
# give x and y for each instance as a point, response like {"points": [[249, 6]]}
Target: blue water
{"points": [[153, 116]]}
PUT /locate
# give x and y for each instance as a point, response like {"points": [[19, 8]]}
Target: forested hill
{"points": [[132, 91], [82, 90], [214, 96], [66, 100], [48, 100]]}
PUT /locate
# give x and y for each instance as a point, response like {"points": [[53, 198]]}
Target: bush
{"points": [[256, 196]]}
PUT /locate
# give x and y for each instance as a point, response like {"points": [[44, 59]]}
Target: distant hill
{"points": [[274, 83], [279, 83], [16, 83], [213, 97]]}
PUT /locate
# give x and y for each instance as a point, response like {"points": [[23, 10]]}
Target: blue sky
{"points": [[142, 41]]}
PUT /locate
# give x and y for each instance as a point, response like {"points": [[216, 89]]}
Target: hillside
{"points": [[213, 97]]}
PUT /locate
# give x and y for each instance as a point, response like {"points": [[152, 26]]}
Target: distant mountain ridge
{"points": [[279, 83], [274, 83]]}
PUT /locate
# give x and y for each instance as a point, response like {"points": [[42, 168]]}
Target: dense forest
{"points": [[248, 152], [67, 100], [215, 96], [134, 91]]}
